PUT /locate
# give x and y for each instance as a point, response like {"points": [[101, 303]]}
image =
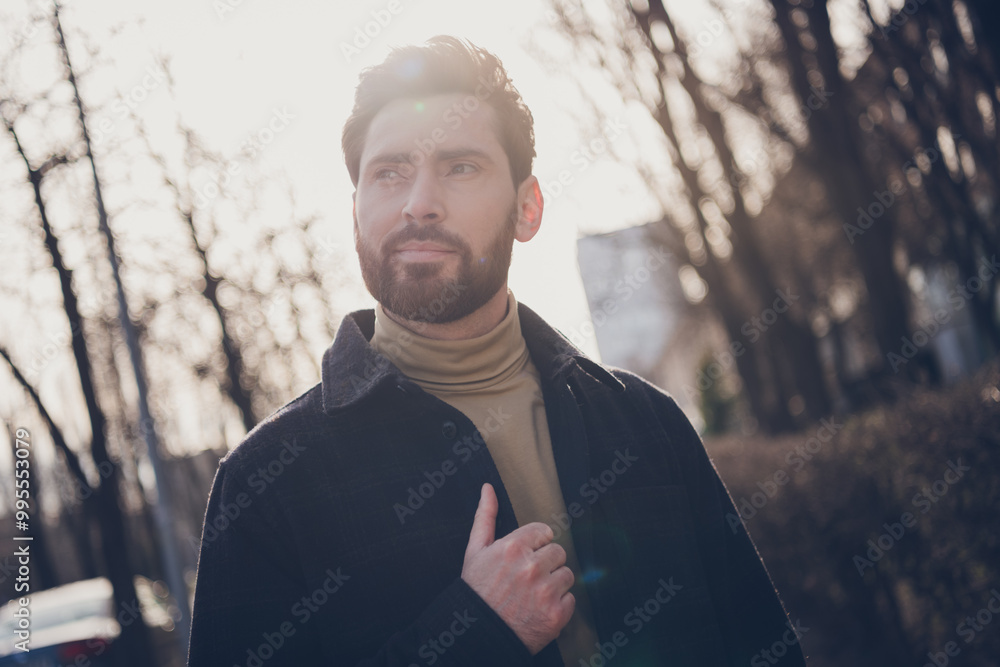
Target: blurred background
{"points": [[784, 212]]}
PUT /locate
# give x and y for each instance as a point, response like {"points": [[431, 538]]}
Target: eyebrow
{"points": [[455, 153], [441, 156], [390, 158]]}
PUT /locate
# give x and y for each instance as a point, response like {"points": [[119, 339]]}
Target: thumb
{"points": [[485, 522]]}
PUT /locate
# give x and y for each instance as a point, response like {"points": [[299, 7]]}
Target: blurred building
{"points": [[945, 324], [639, 315]]}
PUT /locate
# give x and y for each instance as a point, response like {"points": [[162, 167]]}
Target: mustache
{"points": [[424, 233]]}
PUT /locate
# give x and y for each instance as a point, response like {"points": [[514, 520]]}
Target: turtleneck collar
{"points": [[454, 365]]}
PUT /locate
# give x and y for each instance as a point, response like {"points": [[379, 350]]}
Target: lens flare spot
{"points": [[410, 68]]}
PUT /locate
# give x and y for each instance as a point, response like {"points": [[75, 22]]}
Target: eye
{"points": [[390, 172], [463, 168]]}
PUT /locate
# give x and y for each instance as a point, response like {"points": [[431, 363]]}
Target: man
{"points": [[464, 487]]}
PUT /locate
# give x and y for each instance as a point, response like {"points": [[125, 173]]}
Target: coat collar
{"points": [[352, 369]]}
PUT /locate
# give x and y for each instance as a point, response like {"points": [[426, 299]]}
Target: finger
{"points": [[564, 578], [484, 524], [535, 535], [567, 605], [551, 557]]}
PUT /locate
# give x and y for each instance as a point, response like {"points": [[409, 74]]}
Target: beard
{"points": [[419, 291]]}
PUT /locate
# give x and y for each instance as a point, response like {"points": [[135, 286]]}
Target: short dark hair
{"points": [[444, 65]]}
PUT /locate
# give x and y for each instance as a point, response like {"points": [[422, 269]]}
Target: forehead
{"points": [[426, 123]]}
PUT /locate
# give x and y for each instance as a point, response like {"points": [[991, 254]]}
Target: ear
{"points": [[354, 214], [529, 209]]}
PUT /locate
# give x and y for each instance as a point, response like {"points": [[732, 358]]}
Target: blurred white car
{"points": [[77, 624]]}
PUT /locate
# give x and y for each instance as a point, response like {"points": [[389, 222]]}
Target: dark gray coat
{"points": [[335, 532]]}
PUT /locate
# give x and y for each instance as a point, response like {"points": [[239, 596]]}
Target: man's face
{"points": [[435, 212]]}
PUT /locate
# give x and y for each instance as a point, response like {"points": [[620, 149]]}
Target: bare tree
{"points": [[114, 545], [852, 137]]}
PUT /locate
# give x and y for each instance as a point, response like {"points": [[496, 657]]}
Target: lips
{"points": [[422, 251]]}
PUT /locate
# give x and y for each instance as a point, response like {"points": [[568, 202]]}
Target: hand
{"points": [[523, 577]]}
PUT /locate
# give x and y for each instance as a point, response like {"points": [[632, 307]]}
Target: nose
{"points": [[425, 202]]}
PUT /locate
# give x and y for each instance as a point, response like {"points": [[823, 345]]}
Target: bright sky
{"points": [[237, 61]]}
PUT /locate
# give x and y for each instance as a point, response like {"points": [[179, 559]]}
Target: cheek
{"points": [[370, 215]]}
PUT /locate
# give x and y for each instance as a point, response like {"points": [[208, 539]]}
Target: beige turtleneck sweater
{"points": [[492, 380]]}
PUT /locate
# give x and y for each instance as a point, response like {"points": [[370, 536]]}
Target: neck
{"points": [[475, 324]]}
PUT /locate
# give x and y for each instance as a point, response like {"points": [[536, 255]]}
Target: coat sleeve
{"points": [[248, 588], [752, 618]]}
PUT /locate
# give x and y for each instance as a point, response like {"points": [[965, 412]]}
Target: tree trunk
{"points": [[790, 369], [114, 546], [169, 559], [835, 137]]}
